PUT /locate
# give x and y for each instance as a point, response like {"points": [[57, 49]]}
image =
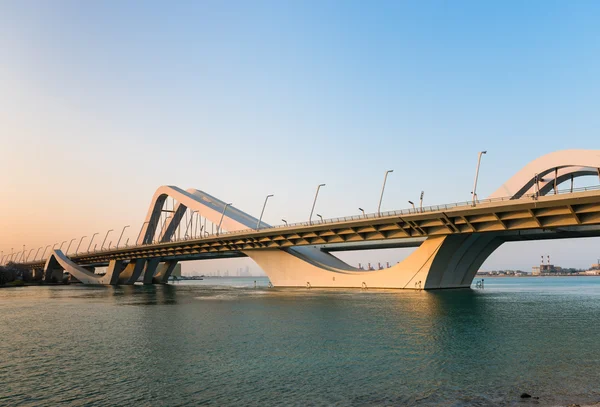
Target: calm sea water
{"points": [[223, 342]]}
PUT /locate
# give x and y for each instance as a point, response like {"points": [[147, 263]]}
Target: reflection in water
{"points": [[193, 344]]}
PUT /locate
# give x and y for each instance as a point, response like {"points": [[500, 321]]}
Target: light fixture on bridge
{"points": [[222, 215], [363, 212], [477, 176], [91, 240], [285, 221], [382, 189], [80, 240], [69, 246], [121, 236], [104, 241], [263, 211], [320, 217], [314, 202], [413, 205]]}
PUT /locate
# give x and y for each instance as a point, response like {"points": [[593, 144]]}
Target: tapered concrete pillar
{"points": [[133, 271], [112, 272], [150, 270], [164, 272]]}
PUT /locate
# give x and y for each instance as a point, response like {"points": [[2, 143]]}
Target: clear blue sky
{"points": [[110, 99]]}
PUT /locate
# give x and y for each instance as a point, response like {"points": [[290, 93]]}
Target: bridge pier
{"points": [[164, 272], [150, 270], [112, 272], [132, 272], [440, 262]]}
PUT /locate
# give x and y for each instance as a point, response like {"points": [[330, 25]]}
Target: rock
{"points": [[525, 396]]}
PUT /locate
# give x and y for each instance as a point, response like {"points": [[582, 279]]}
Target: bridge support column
{"points": [[37, 274], [164, 272], [112, 272], [132, 272], [53, 274], [440, 262], [150, 270]]}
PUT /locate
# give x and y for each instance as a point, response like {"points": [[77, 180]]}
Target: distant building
{"points": [[535, 270]]}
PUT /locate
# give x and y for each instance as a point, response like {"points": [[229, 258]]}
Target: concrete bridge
{"points": [[453, 239]]}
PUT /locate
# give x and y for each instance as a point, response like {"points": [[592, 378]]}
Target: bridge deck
{"points": [[578, 209]]}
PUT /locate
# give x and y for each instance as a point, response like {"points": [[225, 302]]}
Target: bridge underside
{"points": [[439, 262]]}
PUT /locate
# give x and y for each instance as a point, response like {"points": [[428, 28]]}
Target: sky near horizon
{"points": [[101, 102]]}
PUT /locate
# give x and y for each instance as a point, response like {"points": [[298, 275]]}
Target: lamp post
{"points": [[263, 211], [121, 235], [421, 201], [382, 189], [314, 202], [36, 253], [139, 234], [54, 246], [104, 241], [189, 224], [477, 176], [69, 246], [363, 212], [61, 245], [222, 215], [91, 240], [284, 221], [80, 240], [413, 205], [46, 248], [320, 217], [29, 254]]}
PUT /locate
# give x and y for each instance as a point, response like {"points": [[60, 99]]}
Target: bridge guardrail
{"points": [[410, 211]]}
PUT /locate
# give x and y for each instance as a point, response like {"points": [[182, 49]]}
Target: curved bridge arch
{"points": [[58, 261], [574, 163], [206, 205]]}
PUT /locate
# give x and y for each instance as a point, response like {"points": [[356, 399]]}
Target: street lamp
{"points": [[477, 176], [263, 211], [284, 221], [44, 252], [36, 253], [91, 240], [160, 235], [320, 217], [121, 235], [314, 202], [413, 205], [139, 234], [69, 246], [421, 201], [190, 224], [61, 245], [104, 241], [363, 212], [222, 215], [382, 189], [29, 254], [80, 240]]}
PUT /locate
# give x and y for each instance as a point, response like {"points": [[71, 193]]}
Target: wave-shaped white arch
{"points": [[59, 261], [206, 205], [569, 163]]}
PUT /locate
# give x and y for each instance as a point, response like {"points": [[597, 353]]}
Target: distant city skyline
{"points": [[109, 100]]}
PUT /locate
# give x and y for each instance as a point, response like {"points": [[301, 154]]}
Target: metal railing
{"points": [[411, 211]]}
